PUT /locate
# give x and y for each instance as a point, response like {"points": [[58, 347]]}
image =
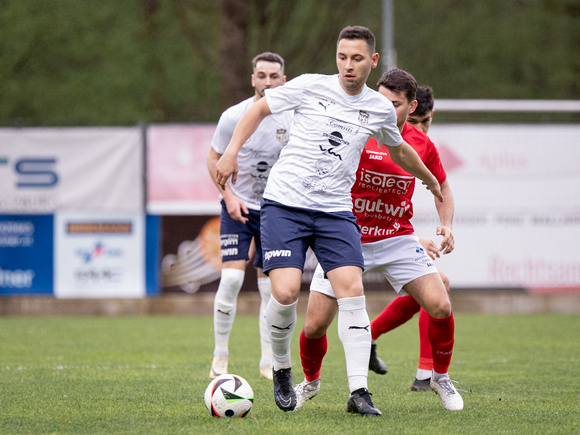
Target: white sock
{"points": [[224, 308], [437, 376], [281, 321], [423, 374], [265, 288], [355, 335]]}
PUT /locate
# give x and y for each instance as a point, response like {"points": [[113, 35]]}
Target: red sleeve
{"points": [[433, 163]]}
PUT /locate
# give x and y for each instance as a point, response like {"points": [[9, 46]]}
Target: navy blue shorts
{"points": [[288, 232], [236, 237]]}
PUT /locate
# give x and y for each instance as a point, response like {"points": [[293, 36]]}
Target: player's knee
{"points": [[230, 284], [314, 329], [440, 309]]}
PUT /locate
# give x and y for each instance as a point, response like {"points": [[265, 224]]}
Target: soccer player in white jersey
{"points": [[382, 202], [307, 200], [240, 215]]}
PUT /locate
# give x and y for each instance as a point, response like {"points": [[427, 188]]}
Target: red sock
{"points": [[441, 335], [397, 312], [425, 350], [312, 351]]}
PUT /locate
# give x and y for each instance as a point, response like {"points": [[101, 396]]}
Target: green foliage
{"points": [[110, 62], [148, 375], [500, 49]]}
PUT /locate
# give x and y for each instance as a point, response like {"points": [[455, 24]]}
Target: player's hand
{"points": [[226, 166], [448, 242], [237, 209], [431, 247]]}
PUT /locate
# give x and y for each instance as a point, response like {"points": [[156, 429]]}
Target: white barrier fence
{"points": [[516, 187], [517, 205]]}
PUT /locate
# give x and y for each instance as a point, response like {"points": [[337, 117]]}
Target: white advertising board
{"points": [[178, 182], [99, 255], [517, 205], [43, 170]]}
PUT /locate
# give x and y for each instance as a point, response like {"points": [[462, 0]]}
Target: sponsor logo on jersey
{"points": [[229, 252], [379, 231], [314, 184], [277, 253], [347, 128], [378, 207], [228, 240], [398, 184], [262, 166], [323, 167], [335, 139]]}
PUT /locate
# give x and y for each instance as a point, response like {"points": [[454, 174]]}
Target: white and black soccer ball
{"points": [[229, 396]]}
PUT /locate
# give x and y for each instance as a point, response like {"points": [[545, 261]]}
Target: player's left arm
{"points": [[445, 210]]}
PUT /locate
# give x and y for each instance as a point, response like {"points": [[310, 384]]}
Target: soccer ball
{"points": [[229, 396]]}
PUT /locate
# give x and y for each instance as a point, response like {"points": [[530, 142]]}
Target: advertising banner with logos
{"points": [[26, 260], [517, 206], [98, 256], [43, 170]]}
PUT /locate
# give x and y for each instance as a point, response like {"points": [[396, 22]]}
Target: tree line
{"points": [[110, 62]]}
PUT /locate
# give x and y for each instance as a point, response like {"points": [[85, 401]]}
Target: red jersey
{"points": [[382, 192]]}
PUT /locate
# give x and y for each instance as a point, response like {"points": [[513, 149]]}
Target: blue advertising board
{"points": [[26, 254]]}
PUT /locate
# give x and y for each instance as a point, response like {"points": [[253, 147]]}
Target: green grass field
{"points": [[145, 375]]}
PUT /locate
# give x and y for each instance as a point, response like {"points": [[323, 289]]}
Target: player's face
{"points": [[354, 61], [421, 122], [267, 75], [403, 107]]}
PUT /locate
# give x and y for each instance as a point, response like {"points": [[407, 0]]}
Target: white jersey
{"points": [[330, 128], [258, 154]]}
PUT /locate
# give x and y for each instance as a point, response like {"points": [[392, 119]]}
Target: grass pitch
{"points": [[109, 375]]}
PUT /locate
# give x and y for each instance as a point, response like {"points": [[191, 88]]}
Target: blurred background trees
{"points": [[110, 62]]}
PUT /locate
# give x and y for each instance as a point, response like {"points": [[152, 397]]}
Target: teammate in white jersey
{"points": [[240, 215], [307, 200]]}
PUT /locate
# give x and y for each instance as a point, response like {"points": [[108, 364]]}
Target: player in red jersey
{"points": [[382, 204], [403, 308]]}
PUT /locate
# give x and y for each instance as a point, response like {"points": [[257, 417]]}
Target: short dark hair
{"points": [[358, 32], [268, 56], [398, 80], [425, 101]]}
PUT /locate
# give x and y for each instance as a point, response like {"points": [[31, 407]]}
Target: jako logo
{"points": [[277, 253]]}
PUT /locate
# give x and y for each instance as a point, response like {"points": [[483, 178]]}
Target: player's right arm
{"points": [[234, 205], [227, 165]]}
